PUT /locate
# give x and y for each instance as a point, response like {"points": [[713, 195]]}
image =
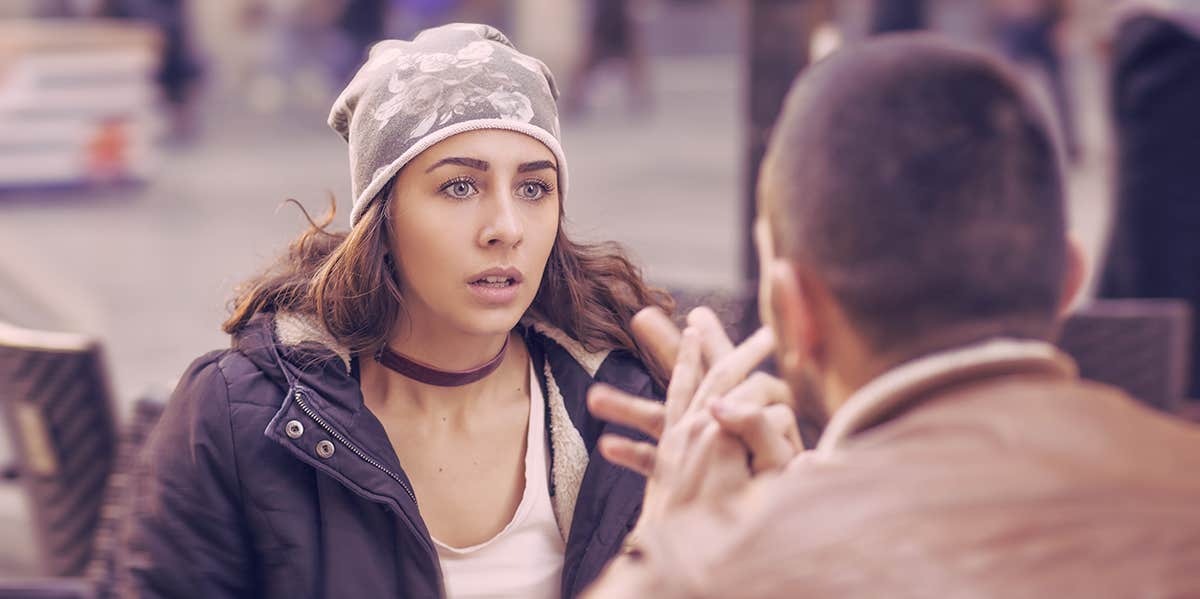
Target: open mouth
{"points": [[494, 282]]}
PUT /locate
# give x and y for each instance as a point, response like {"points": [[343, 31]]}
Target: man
{"points": [[914, 262]]}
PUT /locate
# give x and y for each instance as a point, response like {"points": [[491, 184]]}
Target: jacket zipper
{"points": [[356, 451]]}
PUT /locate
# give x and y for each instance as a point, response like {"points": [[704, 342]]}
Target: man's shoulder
{"points": [[1010, 440]]}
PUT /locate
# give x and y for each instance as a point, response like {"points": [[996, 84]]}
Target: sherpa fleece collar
{"points": [[570, 455]]}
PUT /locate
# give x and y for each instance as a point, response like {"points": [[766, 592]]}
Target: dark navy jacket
{"points": [[232, 499]]}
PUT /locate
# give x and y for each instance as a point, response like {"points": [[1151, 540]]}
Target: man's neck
{"points": [[855, 369], [912, 383]]}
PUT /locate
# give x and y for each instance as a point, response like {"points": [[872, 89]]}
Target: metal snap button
{"points": [[294, 429], [325, 449]]}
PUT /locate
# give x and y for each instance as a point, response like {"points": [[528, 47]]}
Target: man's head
{"points": [[910, 200]]}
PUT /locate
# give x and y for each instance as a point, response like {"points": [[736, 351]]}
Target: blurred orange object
{"points": [[108, 151]]}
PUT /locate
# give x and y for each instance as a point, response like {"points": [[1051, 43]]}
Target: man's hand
{"points": [[718, 423], [694, 460], [754, 408]]}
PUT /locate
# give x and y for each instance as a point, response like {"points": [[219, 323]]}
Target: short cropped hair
{"points": [[920, 181]]}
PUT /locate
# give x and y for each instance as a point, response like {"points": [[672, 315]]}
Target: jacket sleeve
{"points": [[185, 533]]}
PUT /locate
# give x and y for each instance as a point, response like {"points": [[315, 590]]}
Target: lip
{"points": [[509, 272], [496, 296]]}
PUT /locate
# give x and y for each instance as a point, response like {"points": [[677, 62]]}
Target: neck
{"points": [[853, 365], [444, 348], [445, 351]]}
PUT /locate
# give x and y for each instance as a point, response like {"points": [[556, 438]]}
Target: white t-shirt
{"points": [[526, 558]]}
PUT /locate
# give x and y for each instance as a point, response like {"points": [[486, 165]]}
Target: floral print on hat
{"points": [[411, 94], [437, 87]]}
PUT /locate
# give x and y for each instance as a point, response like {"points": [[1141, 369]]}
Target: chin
{"points": [[491, 322]]}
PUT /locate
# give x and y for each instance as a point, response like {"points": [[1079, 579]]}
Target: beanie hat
{"points": [[448, 80]]}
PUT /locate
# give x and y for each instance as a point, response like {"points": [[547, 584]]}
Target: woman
{"points": [[401, 413]]}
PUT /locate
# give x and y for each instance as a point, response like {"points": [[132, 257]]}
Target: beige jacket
{"points": [[990, 471]]}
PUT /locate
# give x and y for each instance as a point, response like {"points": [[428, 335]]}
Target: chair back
{"points": [[57, 406]]}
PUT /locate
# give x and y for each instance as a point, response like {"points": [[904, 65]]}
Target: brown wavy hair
{"points": [[346, 279]]}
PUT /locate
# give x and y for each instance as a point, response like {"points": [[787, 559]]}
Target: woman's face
{"points": [[473, 219]]}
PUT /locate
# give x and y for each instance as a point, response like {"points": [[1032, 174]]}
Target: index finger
{"points": [[735, 367], [685, 378], [657, 335], [613, 405], [714, 341]]}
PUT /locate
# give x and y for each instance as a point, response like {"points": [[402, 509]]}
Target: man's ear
{"points": [[1074, 275], [792, 314]]}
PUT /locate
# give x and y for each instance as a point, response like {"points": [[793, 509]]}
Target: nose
{"points": [[504, 227]]}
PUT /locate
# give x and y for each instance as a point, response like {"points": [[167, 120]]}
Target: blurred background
{"points": [[146, 146]]}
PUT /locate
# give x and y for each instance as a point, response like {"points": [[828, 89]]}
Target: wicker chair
{"points": [[102, 569], [55, 399], [1139, 345], [58, 407]]}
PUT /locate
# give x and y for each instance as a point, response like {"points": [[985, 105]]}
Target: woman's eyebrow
{"points": [[536, 166], [475, 163]]}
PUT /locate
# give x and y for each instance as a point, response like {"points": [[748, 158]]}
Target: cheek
{"points": [[542, 231], [425, 248]]}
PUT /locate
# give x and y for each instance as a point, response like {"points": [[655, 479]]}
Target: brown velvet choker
{"points": [[424, 373]]}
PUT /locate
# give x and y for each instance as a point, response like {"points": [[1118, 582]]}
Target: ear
{"points": [[792, 316], [1074, 275]]}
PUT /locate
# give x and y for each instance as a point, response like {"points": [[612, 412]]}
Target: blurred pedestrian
{"points": [[1030, 34], [612, 38], [302, 53], [180, 70], [897, 15], [1155, 249], [362, 23], [434, 355]]}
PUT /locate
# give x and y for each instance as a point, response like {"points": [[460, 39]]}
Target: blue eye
{"points": [[533, 190], [459, 189]]}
